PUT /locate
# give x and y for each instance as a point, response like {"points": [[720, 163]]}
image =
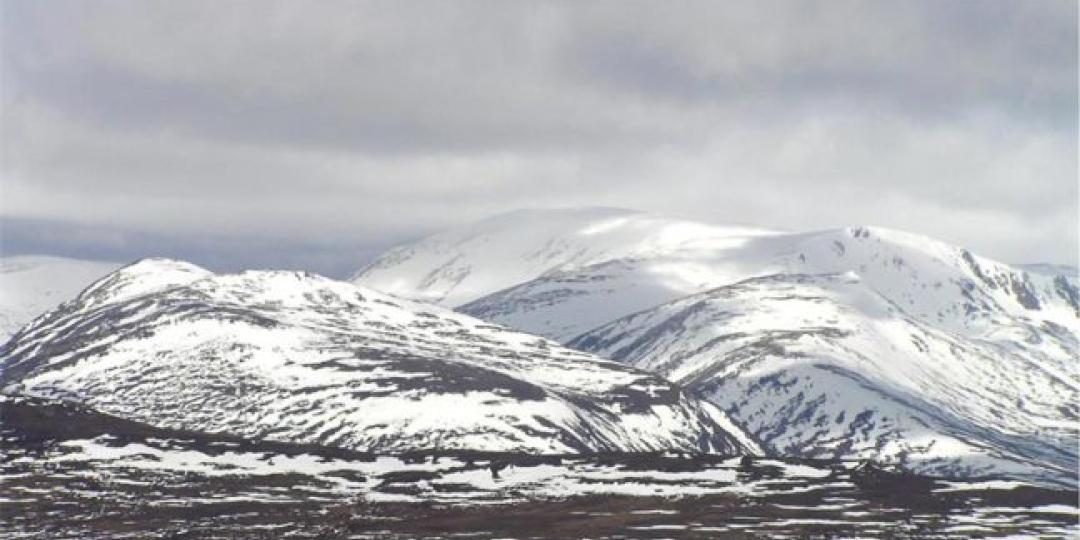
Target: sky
{"points": [[256, 134]]}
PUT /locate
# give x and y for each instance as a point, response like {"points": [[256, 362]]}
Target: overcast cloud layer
{"points": [[312, 134]]}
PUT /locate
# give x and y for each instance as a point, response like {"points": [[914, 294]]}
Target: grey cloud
{"points": [[393, 95], [243, 123], [476, 80], [925, 58]]}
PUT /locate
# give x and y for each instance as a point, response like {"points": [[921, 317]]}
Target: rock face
{"points": [[857, 342], [32, 284], [298, 358]]}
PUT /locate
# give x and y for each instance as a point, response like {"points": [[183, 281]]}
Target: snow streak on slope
{"points": [[469, 262], [33, 284], [295, 357], [824, 366]]}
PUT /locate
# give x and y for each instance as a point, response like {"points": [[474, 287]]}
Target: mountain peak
{"points": [[141, 277]]}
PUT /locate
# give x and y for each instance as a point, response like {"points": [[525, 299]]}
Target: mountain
{"points": [[931, 280], [294, 357], [33, 284], [854, 342], [613, 263]]}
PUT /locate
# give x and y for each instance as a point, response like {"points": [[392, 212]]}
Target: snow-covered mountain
{"points": [[931, 280], [299, 358], [33, 284], [913, 349]]}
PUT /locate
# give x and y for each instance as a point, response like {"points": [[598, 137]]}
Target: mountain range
{"points": [[853, 343], [860, 342]]}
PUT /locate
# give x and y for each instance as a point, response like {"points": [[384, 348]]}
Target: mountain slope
{"points": [[824, 366], [33, 284], [298, 358]]}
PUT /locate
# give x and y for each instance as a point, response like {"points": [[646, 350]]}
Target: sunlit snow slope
{"points": [[295, 357], [848, 342], [33, 284], [464, 264]]}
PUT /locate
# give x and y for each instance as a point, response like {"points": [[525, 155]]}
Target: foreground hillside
{"points": [[33, 284], [295, 357], [857, 342], [73, 473]]}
